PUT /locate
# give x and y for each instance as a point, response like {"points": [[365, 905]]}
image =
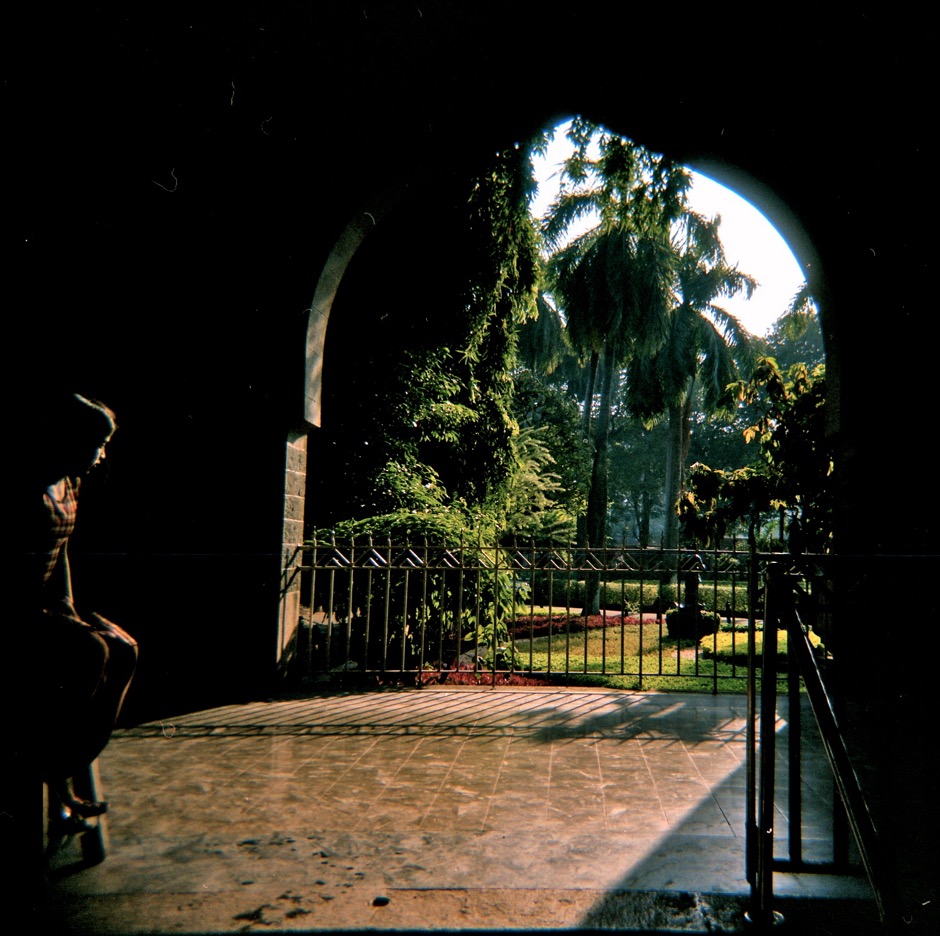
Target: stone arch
{"points": [[371, 213], [358, 228]]}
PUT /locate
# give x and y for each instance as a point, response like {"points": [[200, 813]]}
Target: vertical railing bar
{"points": [[329, 613], [442, 607], [368, 622], [762, 895], [350, 595], [312, 603], [512, 563], [461, 571], [423, 611], [386, 622], [794, 767], [404, 618], [750, 730], [734, 620], [495, 612], [551, 606], [445, 610], [734, 608], [718, 628], [606, 583], [623, 623], [697, 643], [566, 598], [476, 611], [513, 604], [640, 629], [584, 629], [681, 597], [660, 600], [532, 581], [569, 564]]}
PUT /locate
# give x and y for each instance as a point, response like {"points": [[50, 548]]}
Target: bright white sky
{"points": [[750, 240]]}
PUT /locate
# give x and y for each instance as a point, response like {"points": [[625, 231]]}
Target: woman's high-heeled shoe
{"points": [[65, 824], [86, 809]]}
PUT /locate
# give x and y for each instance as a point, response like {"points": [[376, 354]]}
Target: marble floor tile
{"points": [[336, 800]]}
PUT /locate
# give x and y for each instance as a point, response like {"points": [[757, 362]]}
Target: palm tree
{"points": [[613, 283], [705, 346], [615, 286], [796, 337], [542, 344]]}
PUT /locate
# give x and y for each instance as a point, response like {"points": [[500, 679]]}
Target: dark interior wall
{"points": [[178, 179], [161, 258]]}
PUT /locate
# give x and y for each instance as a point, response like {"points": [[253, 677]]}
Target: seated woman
{"points": [[80, 667]]}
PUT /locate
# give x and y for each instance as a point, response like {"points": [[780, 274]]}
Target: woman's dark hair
{"points": [[88, 420], [64, 435]]}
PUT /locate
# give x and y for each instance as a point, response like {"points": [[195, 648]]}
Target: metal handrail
{"points": [[833, 739], [761, 755], [781, 592]]}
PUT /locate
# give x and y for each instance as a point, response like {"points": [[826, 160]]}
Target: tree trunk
{"points": [[581, 528], [686, 440], [673, 457], [677, 453], [598, 497], [646, 512], [588, 411]]}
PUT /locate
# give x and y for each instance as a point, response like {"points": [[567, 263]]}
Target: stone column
{"points": [[295, 481]]}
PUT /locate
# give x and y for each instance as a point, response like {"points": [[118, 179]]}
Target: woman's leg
{"points": [[120, 665]]}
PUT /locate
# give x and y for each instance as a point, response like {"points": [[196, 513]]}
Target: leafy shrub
{"points": [[631, 597], [691, 624], [406, 610]]}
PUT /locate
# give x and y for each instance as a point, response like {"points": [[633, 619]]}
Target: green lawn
{"points": [[612, 657]]}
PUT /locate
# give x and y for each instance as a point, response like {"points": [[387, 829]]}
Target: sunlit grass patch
{"points": [[626, 656]]}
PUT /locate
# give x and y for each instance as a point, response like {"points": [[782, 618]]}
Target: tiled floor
{"points": [[434, 809]]}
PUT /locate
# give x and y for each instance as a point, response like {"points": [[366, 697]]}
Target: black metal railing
{"points": [[798, 601], [420, 611]]}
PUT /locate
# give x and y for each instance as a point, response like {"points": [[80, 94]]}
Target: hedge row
{"points": [[626, 597]]}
